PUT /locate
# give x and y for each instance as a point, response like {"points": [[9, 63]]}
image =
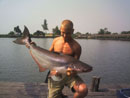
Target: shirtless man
{"points": [[67, 45]]}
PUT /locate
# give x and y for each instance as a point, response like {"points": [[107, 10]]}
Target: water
{"points": [[110, 61]]}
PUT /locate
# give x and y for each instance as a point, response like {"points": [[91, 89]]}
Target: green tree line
{"points": [[56, 31]]}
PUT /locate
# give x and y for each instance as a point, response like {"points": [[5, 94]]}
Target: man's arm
{"points": [[77, 50], [52, 46]]}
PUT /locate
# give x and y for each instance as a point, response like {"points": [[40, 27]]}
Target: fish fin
{"points": [[19, 41], [26, 34], [25, 38], [41, 69]]}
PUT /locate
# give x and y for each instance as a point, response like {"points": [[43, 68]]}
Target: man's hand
{"points": [[30, 43], [71, 72], [56, 73]]}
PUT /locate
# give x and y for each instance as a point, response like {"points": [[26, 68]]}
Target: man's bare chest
{"points": [[66, 48]]}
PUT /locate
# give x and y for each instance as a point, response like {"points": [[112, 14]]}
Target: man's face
{"points": [[66, 33]]}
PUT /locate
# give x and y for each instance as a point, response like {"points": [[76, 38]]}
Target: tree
{"points": [[39, 33], [56, 30], [44, 25], [87, 33], [125, 32], [115, 33], [101, 31], [77, 33], [17, 30], [104, 31], [107, 32], [11, 33]]}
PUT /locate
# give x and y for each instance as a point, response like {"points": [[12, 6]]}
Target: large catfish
{"points": [[51, 60]]}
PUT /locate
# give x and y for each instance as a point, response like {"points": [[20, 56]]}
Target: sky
{"points": [[87, 15]]}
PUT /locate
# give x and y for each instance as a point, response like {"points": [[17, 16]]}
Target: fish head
{"points": [[80, 67]]}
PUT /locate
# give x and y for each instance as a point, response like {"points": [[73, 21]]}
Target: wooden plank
{"points": [[40, 90]]}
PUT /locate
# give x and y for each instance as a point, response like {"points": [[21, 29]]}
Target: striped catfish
{"points": [[51, 60]]}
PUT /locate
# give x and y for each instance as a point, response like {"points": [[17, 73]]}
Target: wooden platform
{"points": [[40, 90]]}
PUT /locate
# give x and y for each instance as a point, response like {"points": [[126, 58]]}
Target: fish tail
{"points": [[25, 39]]}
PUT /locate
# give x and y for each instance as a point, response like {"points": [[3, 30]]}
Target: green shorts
{"points": [[55, 87]]}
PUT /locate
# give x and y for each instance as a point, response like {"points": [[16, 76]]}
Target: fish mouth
{"points": [[87, 69], [80, 70]]}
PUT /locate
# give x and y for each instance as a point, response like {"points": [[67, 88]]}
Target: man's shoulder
{"points": [[76, 43], [56, 39]]}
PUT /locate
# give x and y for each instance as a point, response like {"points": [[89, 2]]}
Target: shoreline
{"points": [[81, 38], [121, 37]]}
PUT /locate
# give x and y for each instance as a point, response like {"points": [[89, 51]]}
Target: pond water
{"points": [[110, 61]]}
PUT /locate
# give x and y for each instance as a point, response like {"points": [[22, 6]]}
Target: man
{"points": [[67, 45]]}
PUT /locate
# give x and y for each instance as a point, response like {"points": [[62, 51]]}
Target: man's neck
{"points": [[69, 39]]}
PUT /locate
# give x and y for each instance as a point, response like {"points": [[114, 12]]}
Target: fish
{"points": [[53, 61]]}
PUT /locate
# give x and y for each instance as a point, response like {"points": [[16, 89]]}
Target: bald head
{"points": [[66, 29], [67, 25]]}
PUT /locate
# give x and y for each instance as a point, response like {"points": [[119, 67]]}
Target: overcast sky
{"points": [[87, 15]]}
